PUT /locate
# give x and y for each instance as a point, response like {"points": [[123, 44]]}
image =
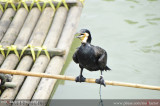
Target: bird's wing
{"points": [[101, 55], [75, 59]]}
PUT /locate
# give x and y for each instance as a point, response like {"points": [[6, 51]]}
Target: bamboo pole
{"points": [[89, 80], [46, 85], [51, 41], [4, 24], [52, 51], [31, 83], [25, 64], [56, 28], [42, 27], [28, 27], [28, 3], [10, 37], [1, 13], [9, 85], [39, 35], [15, 27], [26, 61], [5, 21]]}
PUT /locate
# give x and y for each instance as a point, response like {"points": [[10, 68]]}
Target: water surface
{"points": [[129, 30]]}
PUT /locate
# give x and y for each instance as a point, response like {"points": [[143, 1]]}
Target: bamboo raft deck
{"points": [[49, 28]]}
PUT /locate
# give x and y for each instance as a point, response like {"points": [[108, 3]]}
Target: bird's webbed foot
{"points": [[80, 78], [101, 81]]}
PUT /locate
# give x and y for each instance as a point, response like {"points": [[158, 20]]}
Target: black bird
{"points": [[90, 57]]}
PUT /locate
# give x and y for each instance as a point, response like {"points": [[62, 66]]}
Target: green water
{"points": [[129, 30]]}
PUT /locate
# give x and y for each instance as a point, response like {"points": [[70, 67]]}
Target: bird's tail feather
{"points": [[107, 68]]}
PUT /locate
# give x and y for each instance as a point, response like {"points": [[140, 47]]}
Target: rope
{"points": [[14, 48], [41, 8], [100, 95]]}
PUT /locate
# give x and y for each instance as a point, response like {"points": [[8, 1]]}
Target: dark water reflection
{"points": [[129, 30]]}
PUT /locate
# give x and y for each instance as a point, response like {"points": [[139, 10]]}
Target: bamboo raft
{"points": [[53, 29]]}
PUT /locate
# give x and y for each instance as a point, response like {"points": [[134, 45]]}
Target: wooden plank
{"points": [[39, 35], [25, 62], [46, 85]]}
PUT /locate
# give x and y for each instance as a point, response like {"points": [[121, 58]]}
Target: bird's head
{"points": [[84, 35]]}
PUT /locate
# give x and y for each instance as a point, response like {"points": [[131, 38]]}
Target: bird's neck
{"points": [[85, 43]]}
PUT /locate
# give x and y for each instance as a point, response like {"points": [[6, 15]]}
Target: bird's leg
{"points": [[101, 80], [80, 78]]}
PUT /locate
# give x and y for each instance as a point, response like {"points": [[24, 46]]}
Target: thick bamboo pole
{"points": [[56, 28], [42, 27], [1, 13], [4, 24], [69, 2], [26, 61], [46, 85], [30, 84], [25, 64], [11, 34], [14, 28], [28, 27], [52, 51], [9, 85], [53, 36], [5, 21], [89, 80], [39, 35]]}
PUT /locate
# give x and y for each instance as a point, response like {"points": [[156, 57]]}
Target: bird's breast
{"points": [[87, 58]]}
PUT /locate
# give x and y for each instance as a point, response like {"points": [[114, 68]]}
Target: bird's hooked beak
{"points": [[82, 36], [78, 35]]}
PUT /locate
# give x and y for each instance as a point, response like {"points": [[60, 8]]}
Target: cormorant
{"points": [[90, 57]]}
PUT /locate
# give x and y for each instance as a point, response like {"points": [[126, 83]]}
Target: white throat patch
{"points": [[85, 37]]}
